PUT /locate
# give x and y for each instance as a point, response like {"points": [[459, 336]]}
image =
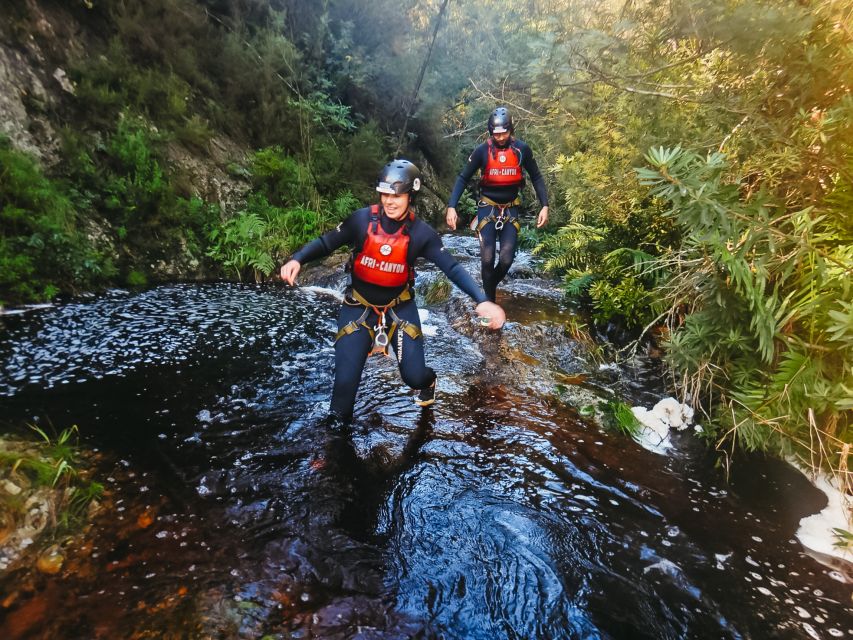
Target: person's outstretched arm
{"points": [[435, 252], [343, 234]]}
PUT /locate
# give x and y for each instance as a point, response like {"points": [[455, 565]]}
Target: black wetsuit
{"points": [[351, 350], [508, 235]]}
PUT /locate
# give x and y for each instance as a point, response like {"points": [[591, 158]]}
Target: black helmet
{"points": [[500, 121], [399, 176]]}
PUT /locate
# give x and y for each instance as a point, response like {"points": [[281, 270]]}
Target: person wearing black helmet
{"points": [[379, 304], [501, 161]]}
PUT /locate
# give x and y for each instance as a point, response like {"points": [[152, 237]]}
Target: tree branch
{"points": [[496, 100], [698, 56]]}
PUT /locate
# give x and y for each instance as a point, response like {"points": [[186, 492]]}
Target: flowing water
{"points": [[235, 510]]}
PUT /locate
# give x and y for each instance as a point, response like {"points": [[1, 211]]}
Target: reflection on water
{"points": [[235, 509]]}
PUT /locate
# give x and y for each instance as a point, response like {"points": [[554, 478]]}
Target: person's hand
{"points": [[493, 312], [290, 271], [451, 218], [542, 219]]}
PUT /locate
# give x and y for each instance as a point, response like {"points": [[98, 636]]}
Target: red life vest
{"points": [[383, 257], [503, 166]]}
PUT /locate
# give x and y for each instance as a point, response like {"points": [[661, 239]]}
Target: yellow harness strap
{"points": [[500, 219], [359, 299], [405, 326], [355, 325], [396, 322]]}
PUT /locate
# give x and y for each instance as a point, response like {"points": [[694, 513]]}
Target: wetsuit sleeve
{"points": [[344, 233], [477, 160], [536, 178], [435, 252]]}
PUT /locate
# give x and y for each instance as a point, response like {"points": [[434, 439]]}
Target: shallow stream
{"points": [[234, 510]]}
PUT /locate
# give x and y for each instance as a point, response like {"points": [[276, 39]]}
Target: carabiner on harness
{"points": [[500, 220], [380, 337], [380, 342]]}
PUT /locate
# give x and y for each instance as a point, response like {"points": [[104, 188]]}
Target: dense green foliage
{"points": [[42, 247], [173, 75], [762, 306]]}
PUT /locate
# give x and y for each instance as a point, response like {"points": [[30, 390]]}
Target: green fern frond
{"points": [[577, 283]]}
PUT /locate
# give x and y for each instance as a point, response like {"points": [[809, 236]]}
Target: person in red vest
{"points": [[379, 305], [501, 161]]}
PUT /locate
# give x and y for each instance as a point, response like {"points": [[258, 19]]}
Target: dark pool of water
{"points": [[235, 510]]}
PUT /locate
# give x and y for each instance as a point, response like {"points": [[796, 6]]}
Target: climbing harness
{"points": [[501, 219], [381, 334]]}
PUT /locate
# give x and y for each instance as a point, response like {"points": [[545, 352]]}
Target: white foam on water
{"points": [[721, 558], [326, 291], [28, 307], [656, 423], [816, 531], [665, 566]]}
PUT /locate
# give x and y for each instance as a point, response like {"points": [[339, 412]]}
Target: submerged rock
{"points": [[50, 560], [30, 511]]}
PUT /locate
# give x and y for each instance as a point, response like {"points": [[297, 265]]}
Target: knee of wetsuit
{"points": [[487, 256], [418, 380], [505, 260]]}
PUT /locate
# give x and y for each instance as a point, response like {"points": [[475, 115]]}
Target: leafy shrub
{"points": [[627, 300], [617, 285], [111, 83], [261, 235], [761, 307], [194, 131], [282, 179], [364, 155], [573, 246], [239, 244], [136, 278], [298, 225], [466, 209], [529, 237], [42, 250], [134, 186], [341, 207]]}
